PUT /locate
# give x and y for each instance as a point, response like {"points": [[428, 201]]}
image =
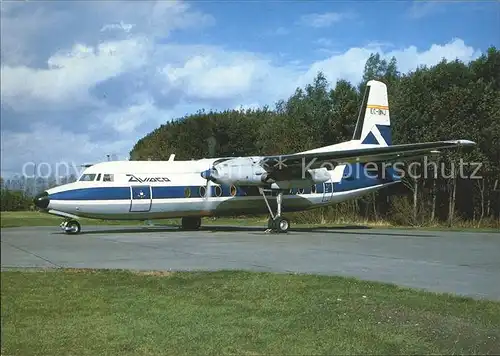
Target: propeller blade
{"points": [[208, 175]]}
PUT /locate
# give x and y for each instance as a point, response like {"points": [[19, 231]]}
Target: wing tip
{"points": [[462, 142]]}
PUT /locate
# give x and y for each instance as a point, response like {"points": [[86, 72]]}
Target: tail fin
{"points": [[374, 125]]}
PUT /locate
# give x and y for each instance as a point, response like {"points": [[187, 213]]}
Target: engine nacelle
{"points": [[237, 171], [247, 171], [308, 178], [318, 175], [289, 184]]}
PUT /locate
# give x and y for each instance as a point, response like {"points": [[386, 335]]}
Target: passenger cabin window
{"points": [[98, 177], [87, 178], [107, 178]]}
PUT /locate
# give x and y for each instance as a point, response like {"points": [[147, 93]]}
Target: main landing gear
{"points": [[191, 223], [71, 227], [276, 223]]}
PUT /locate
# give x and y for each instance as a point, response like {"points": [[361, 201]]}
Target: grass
{"points": [[90, 312], [35, 218]]}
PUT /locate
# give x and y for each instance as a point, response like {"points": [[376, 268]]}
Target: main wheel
{"points": [[72, 227], [281, 224], [191, 223]]}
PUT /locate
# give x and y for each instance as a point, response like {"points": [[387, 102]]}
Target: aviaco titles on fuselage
{"points": [[146, 190]]}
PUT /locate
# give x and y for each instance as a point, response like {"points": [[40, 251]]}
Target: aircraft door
{"points": [[140, 198], [328, 191]]}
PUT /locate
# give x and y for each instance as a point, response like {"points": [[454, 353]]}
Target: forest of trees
{"points": [[447, 101], [12, 200]]}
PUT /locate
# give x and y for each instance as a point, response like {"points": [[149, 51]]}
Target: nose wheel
{"points": [[71, 227]]}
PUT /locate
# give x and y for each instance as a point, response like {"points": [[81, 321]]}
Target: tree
{"points": [[14, 200]]}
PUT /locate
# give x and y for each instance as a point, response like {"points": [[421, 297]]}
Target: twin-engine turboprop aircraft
{"points": [[146, 190]]}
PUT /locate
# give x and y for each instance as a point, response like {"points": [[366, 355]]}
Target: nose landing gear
{"points": [[71, 227]]}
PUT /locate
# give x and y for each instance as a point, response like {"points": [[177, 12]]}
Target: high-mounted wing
{"points": [[373, 154]]}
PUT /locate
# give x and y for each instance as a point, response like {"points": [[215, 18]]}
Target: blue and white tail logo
{"points": [[374, 124], [378, 135]]}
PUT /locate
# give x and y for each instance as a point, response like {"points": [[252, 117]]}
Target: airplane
{"points": [[230, 186]]}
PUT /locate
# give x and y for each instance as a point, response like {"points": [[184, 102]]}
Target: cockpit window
{"points": [[98, 177], [107, 178], [87, 178]]}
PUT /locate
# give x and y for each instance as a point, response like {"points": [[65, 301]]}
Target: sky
{"points": [[84, 79]]}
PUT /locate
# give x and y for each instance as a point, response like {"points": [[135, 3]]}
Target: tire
{"points": [[281, 224], [72, 227], [270, 223], [191, 223]]}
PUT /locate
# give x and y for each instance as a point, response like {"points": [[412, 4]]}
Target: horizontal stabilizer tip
{"points": [[462, 142]]}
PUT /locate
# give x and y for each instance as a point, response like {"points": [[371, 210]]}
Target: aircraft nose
{"points": [[42, 200]]}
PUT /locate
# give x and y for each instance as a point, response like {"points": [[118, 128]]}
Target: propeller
{"points": [[211, 172], [208, 191]]}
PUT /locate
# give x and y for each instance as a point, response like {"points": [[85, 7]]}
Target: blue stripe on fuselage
{"points": [[95, 193]]}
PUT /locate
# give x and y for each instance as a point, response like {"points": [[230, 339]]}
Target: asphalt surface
{"points": [[461, 263]]}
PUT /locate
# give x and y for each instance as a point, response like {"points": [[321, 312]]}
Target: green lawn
{"points": [[128, 313]]}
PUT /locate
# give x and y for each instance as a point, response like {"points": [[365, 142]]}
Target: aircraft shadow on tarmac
{"points": [[318, 229], [225, 228]]}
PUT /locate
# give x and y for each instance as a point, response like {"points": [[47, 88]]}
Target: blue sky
{"points": [[84, 79]]}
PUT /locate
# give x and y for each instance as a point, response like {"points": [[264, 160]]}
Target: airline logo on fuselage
{"points": [[147, 179]]}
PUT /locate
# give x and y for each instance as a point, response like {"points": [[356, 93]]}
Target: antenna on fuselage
{"points": [[171, 158]]}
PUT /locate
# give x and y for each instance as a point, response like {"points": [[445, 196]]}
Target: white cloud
{"points": [[126, 27], [47, 146], [33, 31], [70, 74], [176, 15], [409, 58], [128, 119], [235, 77], [207, 77], [245, 107], [326, 19], [18, 31], [350, 64], [379, 44]]}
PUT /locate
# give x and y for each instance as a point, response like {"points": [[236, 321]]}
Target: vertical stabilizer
{"points": [[374, 125]]}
